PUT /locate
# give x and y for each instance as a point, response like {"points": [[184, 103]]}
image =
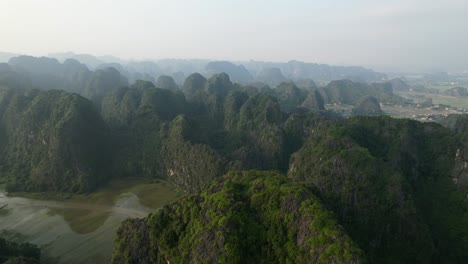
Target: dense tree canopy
{"points": [[18, 253], [248, 217], [375, 188], [51, 141]]}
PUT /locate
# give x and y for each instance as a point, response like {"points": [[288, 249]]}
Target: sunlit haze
{"points": [[385, 35]]}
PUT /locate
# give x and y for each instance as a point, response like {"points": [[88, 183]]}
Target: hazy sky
{"points": [[399, 34]]}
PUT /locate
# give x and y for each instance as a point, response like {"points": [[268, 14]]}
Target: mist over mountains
{"points": [[266, 160], [233, 132], [243, 72]]}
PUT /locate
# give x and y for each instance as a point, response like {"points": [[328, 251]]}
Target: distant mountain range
{"points": [[270, 174], [241, 71]]}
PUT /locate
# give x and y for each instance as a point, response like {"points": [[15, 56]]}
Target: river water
{"points": [[70, 231]]}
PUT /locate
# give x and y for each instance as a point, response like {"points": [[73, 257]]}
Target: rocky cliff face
{"points": [[289, 96], [248, 217], [367, 106], [166, 82], [314, 101], [389, 182], [139, 116], [271, 76], [349, 92], [398, 85], [48, 74], [193, 84], [191, 166], [238, 73], [459, 124], [52, 141]]}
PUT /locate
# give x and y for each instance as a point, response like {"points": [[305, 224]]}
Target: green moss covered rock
{"points": [[247, 217], [51, 141]]}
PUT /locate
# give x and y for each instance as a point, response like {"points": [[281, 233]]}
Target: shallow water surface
{"points": [[80, 229]]}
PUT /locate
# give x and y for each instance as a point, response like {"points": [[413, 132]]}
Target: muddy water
{"points": [[74, 231]]}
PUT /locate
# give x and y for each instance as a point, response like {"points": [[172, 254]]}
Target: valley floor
{"points": [[82, 228]]}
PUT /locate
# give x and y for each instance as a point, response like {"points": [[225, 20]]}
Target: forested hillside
{"points": [[247, 217], [14, 253], [51, 141], [356, 189], [390, 183]]}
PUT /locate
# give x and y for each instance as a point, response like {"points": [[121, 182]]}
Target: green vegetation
{"points": [[166, 82], [157, 134], [102, 83], [191, 166], [314, 101], [367, 106], [349, 92], [461, 102], [289, 96], [52, 141], [254, 217], [389, 182], [138, 116], [397, 187], [11, 252], [193, 84]]}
